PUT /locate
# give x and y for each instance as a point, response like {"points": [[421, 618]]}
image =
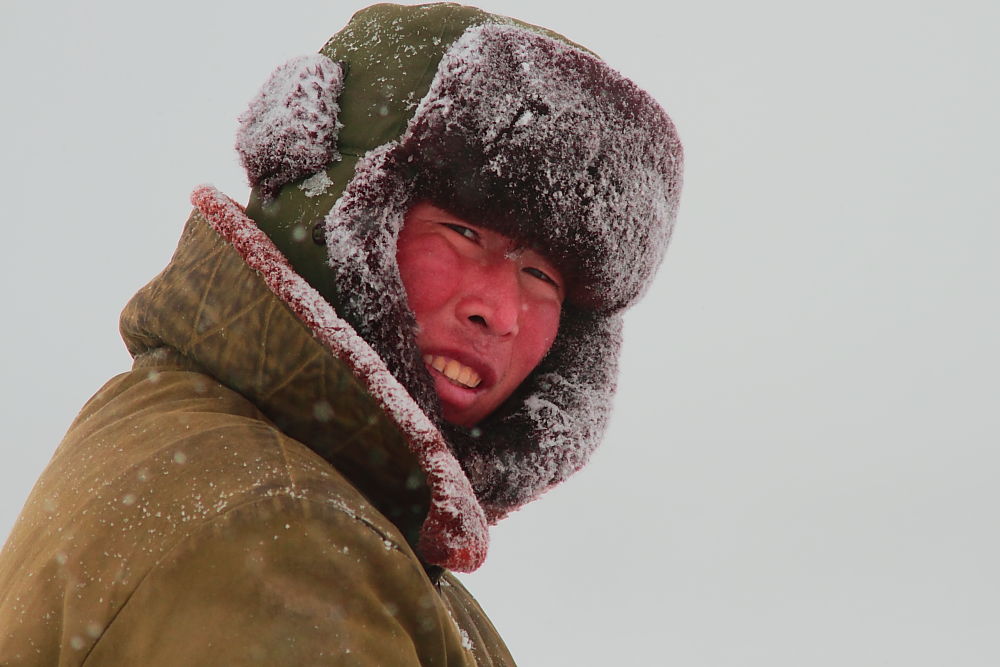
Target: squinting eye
{"points": [[470, 234], [541, 275]]}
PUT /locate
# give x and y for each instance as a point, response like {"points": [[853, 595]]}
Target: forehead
{"points": [[424, 211]]}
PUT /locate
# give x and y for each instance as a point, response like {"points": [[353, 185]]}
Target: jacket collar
{"points": [[308, 371]]}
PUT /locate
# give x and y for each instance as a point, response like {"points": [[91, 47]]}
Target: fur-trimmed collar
{"points": [[454, 534]]}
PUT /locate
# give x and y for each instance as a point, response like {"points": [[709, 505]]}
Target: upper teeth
{"points": [[453, 370]]}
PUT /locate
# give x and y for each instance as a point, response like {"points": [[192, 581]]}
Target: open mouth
{"points": [[456, 372]]}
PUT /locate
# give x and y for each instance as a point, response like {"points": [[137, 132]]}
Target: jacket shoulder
{"points": [[177, 444], [155, 475], [288, 579]]}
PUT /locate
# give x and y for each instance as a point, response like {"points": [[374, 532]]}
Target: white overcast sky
{"points": [[802, 468]]}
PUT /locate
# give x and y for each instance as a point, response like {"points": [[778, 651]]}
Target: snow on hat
{"points": [[512, 127]]}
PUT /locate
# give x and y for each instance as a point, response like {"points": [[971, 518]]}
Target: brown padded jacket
{"points": [[237, 498]]}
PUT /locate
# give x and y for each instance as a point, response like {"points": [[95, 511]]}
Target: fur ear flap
{"points": [[290, 129]]}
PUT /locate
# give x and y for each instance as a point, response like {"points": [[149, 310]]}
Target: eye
{"points": [[541, 275], [463, 231]]}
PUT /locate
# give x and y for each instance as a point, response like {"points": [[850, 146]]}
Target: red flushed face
{"points": [[487, 310]]}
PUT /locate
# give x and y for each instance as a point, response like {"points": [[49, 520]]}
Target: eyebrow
{"points": [[516, 250]]}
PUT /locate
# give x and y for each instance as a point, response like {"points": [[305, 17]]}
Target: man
{"points": [[410, 331]]}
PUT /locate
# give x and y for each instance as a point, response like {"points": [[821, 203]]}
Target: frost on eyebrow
{"points": [[515, 252]]}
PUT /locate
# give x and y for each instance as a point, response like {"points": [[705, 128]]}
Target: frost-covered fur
{"points": [[546, 144], [552, 147], [290, 129]]}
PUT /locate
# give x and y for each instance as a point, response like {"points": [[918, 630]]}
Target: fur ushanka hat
{"points": [[501, 123]]}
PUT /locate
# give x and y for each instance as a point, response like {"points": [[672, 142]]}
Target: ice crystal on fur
{"points": [[316, 184]]}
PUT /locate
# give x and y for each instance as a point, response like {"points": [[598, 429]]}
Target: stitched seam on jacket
{"points": [[291, 374], [261, 356], [214, 329], [204, 294]]}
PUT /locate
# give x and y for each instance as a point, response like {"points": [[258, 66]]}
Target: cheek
{"points": [[429, 277], [541, 324]]}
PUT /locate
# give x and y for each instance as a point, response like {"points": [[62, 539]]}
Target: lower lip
{"points": [[452, 394]]}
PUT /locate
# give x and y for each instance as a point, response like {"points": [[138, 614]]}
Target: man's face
{"points": [[487, 310]]}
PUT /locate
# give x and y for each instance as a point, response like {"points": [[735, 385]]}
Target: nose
{"points": [[492, 300]]}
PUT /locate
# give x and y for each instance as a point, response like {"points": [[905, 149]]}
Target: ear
{"points": [[290, 129]]}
